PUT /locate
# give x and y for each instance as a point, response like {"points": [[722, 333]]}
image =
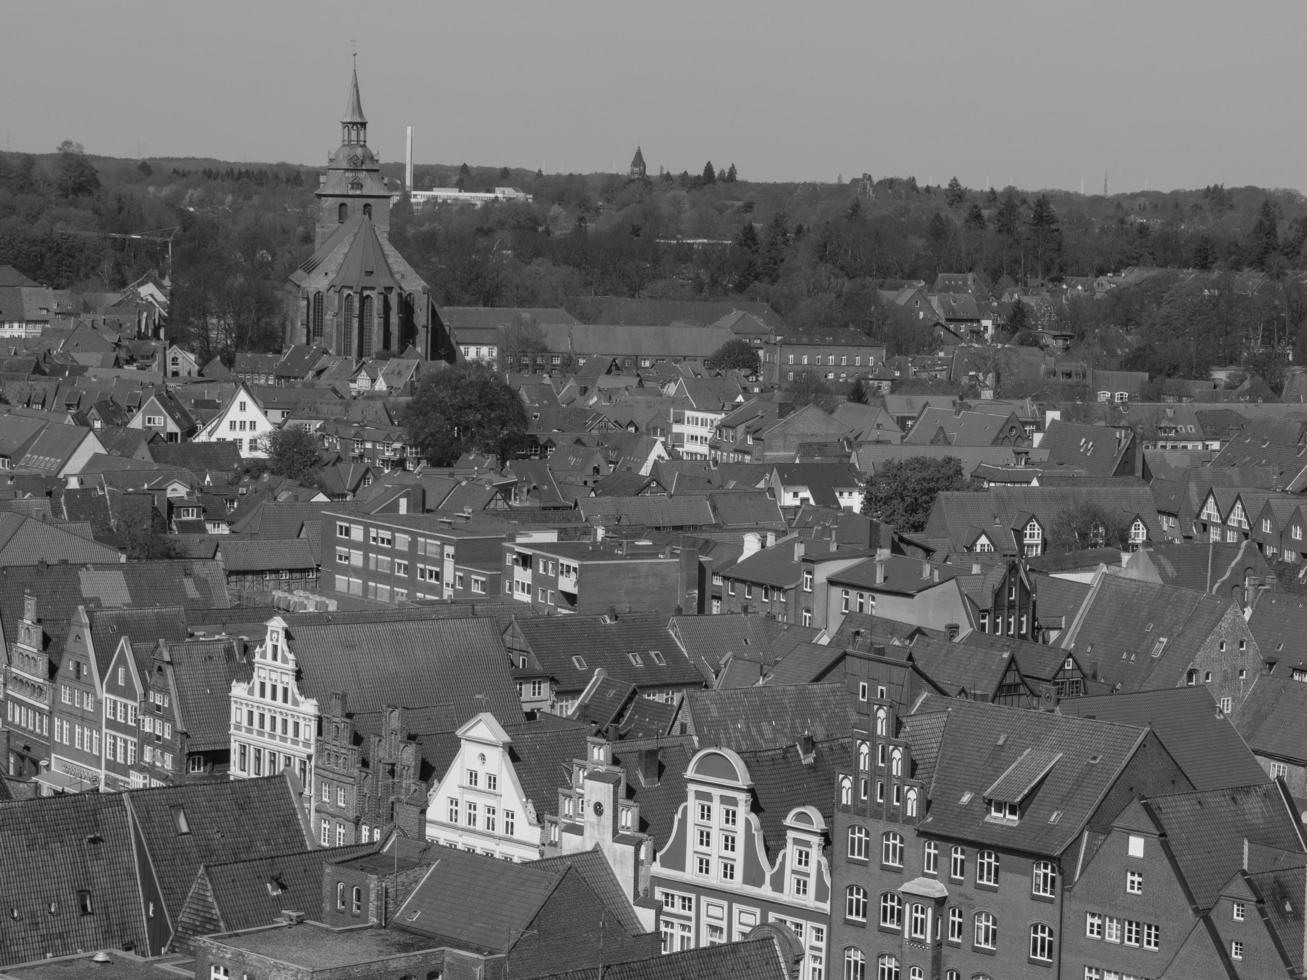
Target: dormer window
{"points": [[1005, 811]]}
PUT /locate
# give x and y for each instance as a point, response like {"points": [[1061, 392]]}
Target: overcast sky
{"points": [[1038, 93]]}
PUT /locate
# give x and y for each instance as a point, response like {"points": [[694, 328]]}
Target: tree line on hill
{"points": [[818, 253]]}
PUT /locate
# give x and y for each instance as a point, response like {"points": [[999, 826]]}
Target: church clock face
{"points": [[355, 160]]}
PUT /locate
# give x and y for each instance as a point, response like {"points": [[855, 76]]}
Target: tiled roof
{"points": [[54, 847], [746, 509], [1279, 623], [1270, 719], [203, 671], [184, 827], [783, 780], [264, 554], [980, 742], [660, 800], [571, 648], [744, 719], [1206, 832], [598, 873], [476, 901], [542, 752], [1204, 743], [671, 512], [751, 959], [1272, 442], [142, 627], [1138, 635], [24, 541], [776, 566], [252, 892], [805, 664], [410, 663], [961, 669]]}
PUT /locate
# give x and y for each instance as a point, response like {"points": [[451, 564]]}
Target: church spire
{"points": [[354, 127]]}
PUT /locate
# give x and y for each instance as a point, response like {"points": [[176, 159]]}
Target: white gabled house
{"points": [[241, 420]]}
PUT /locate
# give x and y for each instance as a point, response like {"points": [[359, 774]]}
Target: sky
{"points": [[1152, 94]]}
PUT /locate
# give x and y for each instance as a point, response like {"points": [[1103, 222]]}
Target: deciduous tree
{"points": [[734, 355], [464, 408], [904, 491], [293, 453]]}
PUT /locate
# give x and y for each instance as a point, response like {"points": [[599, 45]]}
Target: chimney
{"points": [[650, 763], [408, 159], [925, 571], [807, 748], [880, 570]]}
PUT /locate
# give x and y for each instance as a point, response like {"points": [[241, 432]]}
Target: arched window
{"points": [[891, 910], [855, 903], [985, 935], [315, 319], [340, 895], [891, 849], [356, 900], [910, 803], [882, 721], [367, 210], [342, 213], [896, 761], [846, 790], [1041, 943], [916, 973], [855, 964], [864, 757], [887, 967], [859, 843], [987, 868], [366, 316], [349, 320], [1191, 677], [1043, 879]]}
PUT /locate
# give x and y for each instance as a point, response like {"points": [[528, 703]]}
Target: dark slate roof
{"points": [[54, 847], [751, 718], [1206, 832], [783, 780], [142, 627], [184, 827], [203, 671], [750, 636], [1204, 742], [805, 664], [406, 662], [598, 873], [24, 541], [658, 801], [495, 900], [1278, 623], [961, 668], [750, 959], [980, 742], [1270, 719], [543, 752], [1118, 634], [600, 641], [198, 457], [251, 892], [1270, 442], [244, 555]]}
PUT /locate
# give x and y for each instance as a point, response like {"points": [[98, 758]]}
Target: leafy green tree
{"points": [[955, 194], [1264, 239], [1020, 318], [293, 453], [1087, 526], [1045, 235], [734, 355], [904, 491], [809, 388], [858, 393], [709, 175], [731, 176], [75, 176], [464, 408]]}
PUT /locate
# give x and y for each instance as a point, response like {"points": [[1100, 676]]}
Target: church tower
{"points": [[356, 295], [352, 185]]}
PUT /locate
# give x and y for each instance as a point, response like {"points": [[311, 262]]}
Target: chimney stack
{"points": [[649, 765], [408, 160]]}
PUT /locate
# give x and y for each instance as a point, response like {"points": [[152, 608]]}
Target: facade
{"points": [[273, 728], [831, 358], [585, 578], [29, 694], [357, 296], [715, 879], [242, 421]]}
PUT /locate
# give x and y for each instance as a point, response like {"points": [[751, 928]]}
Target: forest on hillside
{"points": [[817, 252]]}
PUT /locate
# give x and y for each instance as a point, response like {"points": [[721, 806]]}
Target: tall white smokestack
{"points": [[408, 160]]}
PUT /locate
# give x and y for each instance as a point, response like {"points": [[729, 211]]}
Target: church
{"points": [[356, 295]]}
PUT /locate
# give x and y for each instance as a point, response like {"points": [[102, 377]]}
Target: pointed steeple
{"points": [[354, 126]]}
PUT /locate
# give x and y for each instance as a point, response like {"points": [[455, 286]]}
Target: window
{"points": [[855, 964], [1152, 936], [1135, 846], [1043, 879], [855, 903], [985, 933], [891, 910], [1111, 929], [1093, 925], [987, 868], [1041, 943], [1134, 883], [1236, 949], [1239, 911], [918, 921], [1133, 932], [955, 925], [887, 967], [957, 865], [859, 843], [930, 858], [453, 809], [891, 850], [356, 900]]}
